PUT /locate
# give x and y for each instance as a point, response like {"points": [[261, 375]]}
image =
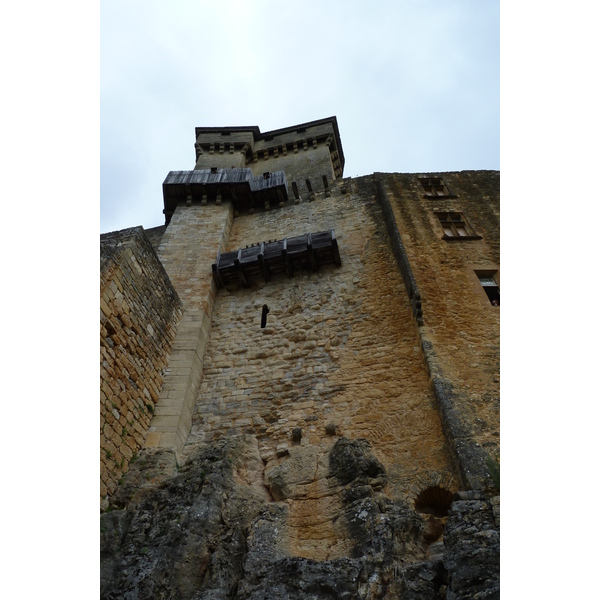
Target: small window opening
{"points": [[434, 501], [267, 175], [434, 186], [308, 185], [295, 188], [213, 169], [325, 183], [454, 225], [263, 320], [491, 289]]}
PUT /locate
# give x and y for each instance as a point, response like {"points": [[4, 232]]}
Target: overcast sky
{"points": [[414, 85]]}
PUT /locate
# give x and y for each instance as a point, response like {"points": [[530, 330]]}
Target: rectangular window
{"points": [[490, 286], [435, 187], [455, 226]]}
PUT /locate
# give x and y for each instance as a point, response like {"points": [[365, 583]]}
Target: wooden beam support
{"points": [[238, 266], [217, 276], [288, 267], [261, 261], [311, 254], [336, 250]]}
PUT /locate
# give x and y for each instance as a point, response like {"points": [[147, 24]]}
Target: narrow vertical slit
{"points": [[265, 311]]}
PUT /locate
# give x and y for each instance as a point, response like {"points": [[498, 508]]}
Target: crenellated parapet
{"points": [[224, 147], [310, 153]]}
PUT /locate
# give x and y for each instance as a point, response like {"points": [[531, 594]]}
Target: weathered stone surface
{"points": [[472, 540], [288, 476], [352, 460], [461, 331], [340, 348], [139, 312], [210, 529], [183, 535]]}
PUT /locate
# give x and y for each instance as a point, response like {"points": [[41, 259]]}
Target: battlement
{"points": [[308, 151]]}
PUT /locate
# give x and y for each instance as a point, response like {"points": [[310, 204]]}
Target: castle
{"points": [[300, 379]]}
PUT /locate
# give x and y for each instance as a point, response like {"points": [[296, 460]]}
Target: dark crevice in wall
{"points": [[265, 312]]}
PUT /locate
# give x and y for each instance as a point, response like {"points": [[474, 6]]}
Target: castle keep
{"points": [[300, 379]]}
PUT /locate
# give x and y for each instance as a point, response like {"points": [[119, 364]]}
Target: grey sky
{"points": [[414, 85]]}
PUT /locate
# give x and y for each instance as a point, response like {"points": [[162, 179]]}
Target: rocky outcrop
{"points": [[472, 539], [313, 523]]}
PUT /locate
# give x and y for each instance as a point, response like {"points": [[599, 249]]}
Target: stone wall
{"points": [[187, 250], [139, 311], [154, 235], [339, 356], [461, 328], [309, 164], [326, 453]]}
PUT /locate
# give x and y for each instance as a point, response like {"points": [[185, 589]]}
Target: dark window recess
{"points": [[455, 226], [491, 289], [325, 183], [308, 185], [265, 312], [435, 187], [295, 189]]}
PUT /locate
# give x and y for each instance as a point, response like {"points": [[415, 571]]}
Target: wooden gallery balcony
{"points": [[246, 191], [265, 259]]}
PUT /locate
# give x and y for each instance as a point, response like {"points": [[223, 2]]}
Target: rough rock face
{"points": [[315, 523], [472, 540]]}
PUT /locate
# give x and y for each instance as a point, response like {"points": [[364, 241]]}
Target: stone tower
{"points": [[300, 392]]}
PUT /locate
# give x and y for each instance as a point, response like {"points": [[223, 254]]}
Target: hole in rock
{"points": [[434, 501]]}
